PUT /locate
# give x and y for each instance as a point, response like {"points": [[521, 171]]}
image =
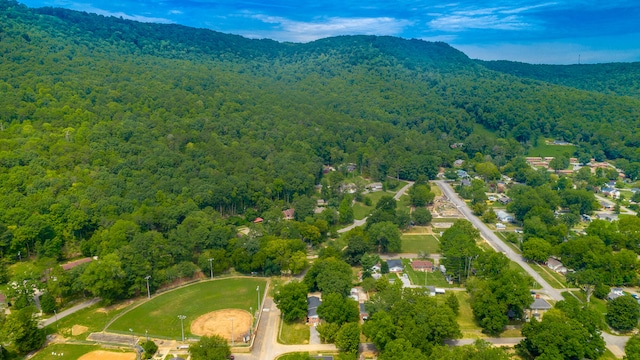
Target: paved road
{"points": [[69, 311], [266, 346], [614, 343], [496, 242]]}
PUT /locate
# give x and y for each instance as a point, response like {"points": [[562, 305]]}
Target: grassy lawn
{"points": [[404, 203], [95, 318], [416, 243], [418, 277], [467, 322], [70, 351], [518, 268], [554, 279], [160, 314], [550, 150], [294, 333], [360, 210], [598, 304]]}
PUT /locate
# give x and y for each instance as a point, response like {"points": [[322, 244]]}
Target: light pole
{"points": [[258, 290], [232, 339], [251, 326], [148, 291], [133, 337], [211, 266], [182, 317], [146, 332]]}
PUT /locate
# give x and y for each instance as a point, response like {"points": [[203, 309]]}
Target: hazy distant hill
{"points": [[613, 78]]}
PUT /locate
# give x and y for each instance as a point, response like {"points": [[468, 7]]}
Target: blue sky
{"points": [[539, 32]]}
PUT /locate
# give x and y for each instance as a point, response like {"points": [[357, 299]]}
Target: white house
{"points": [[504, 217], [395, 266]]}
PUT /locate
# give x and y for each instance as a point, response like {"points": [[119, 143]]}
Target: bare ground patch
{"points": [[219, 323], [78, 330], [107, 355]]}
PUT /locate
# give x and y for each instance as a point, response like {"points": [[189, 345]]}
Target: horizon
{"points": [[555, 33]]}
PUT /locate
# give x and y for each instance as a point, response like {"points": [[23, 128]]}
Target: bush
{"points": [[150, 349]]}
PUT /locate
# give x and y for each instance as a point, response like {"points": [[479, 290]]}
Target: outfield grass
{"points": [[550, 150], [95, 318], [416, 243], [160, 314], [70, 351], [295, 333]]}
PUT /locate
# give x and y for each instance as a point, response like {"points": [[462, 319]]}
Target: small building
{"points": [[395, 266], [465, 182], [615, 293], [354, 294], [289, 214], [607, 217], [422, 265], [538, 308], [555, 265], [376, 186], [431, 290], [504, 217], [501, 226], [312, 310], [458, 163], [504, 200], [258, 220]]}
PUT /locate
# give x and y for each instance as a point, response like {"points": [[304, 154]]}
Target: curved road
{"points": [[614, 343]]}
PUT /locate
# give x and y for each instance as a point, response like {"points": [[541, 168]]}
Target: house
{"points": [[556, 266], [465, 182], [348, 188], [258, 220], [538, 308], [504, 217], [354, 294], [431, 290], [312, 310], [376, 268], [462, 174], [504, 200], [376, 186], [289, 214], [615, 293], [500, 226], [607, 217], [395, 266], [422, 265], [610, 191], [458, 163], [364, 315]]}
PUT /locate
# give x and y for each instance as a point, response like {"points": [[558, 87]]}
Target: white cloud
{"points": [[141, 18], [300, 31], [175, 12], [495, 22]]}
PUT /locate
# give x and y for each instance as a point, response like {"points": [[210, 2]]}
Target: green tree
{"points": [[421, 216], [623, 313], [357, 245], [337, 309], [105, 278], [348, 338], [210, 348], [420, 195], [291, 299], [385, 236], [48, 303], [632, 348], [453, 302], [345, 211], [328, 331], [536, 249], [488, 171], [150, 348], [21, 328]]}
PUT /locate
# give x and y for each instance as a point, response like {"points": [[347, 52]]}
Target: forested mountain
{"points": [[145, 140], [612, 78]]}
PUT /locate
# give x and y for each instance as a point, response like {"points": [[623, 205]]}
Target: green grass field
{"points": [[543, 149], [95, 318], [70, 351], [416, 243], [419, 278], [360, 210], [554, 279], [160, 314], [294, 333]]}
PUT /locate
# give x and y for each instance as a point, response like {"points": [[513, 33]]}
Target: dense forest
{"points": [[147, 145]]}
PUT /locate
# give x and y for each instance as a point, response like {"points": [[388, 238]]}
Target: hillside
{"points": [[621, 79], [111, 124]]}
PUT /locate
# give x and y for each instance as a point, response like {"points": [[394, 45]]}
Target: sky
{"points": [[537, 32]]}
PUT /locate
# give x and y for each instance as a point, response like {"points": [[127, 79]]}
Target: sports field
{"points": [[159, 316], [66, 351]]}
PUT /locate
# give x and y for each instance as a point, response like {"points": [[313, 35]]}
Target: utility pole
{"points": [[182, 317], [258, 290], [148, 291]]}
